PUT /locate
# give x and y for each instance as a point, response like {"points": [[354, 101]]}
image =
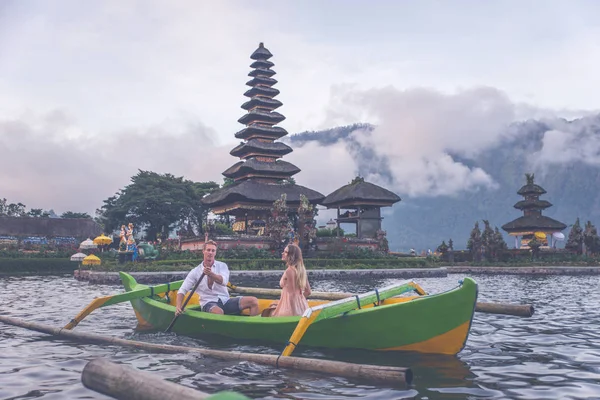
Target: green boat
{"points": [[378, 320]]}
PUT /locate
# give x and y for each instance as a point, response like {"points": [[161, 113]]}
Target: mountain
{"points": [[563, 155]]}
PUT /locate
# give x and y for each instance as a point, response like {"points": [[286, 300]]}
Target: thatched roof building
{"points": [[261, 176], [363, 202], [532, 220]]}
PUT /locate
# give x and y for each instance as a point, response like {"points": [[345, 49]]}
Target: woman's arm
{"points": [[307, 290]]}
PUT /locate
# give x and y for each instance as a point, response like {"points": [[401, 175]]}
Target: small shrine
{"points": [[362, 202], [128, 250], [532, 223], [261, 176]]}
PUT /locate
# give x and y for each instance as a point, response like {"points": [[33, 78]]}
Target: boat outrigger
{"points": [[377, 320]]}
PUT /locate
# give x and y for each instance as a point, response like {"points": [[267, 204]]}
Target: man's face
{"points": [[210, 251]]}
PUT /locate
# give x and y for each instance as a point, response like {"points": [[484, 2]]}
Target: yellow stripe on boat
{"points": [[450, 342]]}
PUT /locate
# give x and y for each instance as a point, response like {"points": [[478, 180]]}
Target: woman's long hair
{"points": [[294, 259]]}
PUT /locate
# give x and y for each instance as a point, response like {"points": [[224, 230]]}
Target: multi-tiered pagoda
{"points": [[261, 176], [532, 220]]}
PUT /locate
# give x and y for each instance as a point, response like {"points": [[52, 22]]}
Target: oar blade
{"points": [[120, 298]]}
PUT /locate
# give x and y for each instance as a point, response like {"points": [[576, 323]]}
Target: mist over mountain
{"points": [[564, 156]]}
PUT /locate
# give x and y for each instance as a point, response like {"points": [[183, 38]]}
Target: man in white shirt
{"points": [[214, 297]]}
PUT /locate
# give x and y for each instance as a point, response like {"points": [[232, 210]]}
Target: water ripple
{"points": [[554, 354]]}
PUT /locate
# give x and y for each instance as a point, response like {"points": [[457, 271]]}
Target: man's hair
{"points": [[210, 242]]}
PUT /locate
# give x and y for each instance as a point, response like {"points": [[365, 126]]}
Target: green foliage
{"points": [[71, 214], [38, 213], [157, 203], [575, 239], [279, 225], [475, 242], [534, 245], [591, 239], [227, 182], [442, 248], [307, 230], [12, 209], [330, 232]]}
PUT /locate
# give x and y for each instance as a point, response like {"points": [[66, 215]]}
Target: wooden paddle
{"points": [[185, 303], [120, 298]]}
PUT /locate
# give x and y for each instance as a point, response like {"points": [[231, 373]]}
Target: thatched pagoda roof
{"points": [[262, 64], [261, 116], [262, 193], [258, 146], [261, 53], [534, 223], [360, 193], [262, 91], [531, 189], [275, 169], [261, 80], [265, 102], [272, 132], [532, 204], [262, 72]]}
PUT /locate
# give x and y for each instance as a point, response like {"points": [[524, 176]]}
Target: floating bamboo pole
{"points": [[127, 383], [384, 374], [520, 310]]}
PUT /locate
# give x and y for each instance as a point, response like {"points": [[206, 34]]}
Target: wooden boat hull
{"points": [[438, 323]]}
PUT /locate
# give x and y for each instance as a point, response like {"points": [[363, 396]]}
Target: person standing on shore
{"points": [[214, 297]]}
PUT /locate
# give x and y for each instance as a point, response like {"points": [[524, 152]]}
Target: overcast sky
{"points": [[90, 92]]}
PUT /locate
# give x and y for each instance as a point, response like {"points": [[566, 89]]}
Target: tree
{"points": [[71, 214], [534, 245], [488, 241], [501, 245], [307, 230], [575, 239], [591, 239], [279, 225], [15, 210], [156, 203], [474, 243], [227, 182], [442, 248], [38, 213]]}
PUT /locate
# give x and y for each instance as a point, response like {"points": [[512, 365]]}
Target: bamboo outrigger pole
{"points": [[382, 374], [127, 383], [519, 310]]}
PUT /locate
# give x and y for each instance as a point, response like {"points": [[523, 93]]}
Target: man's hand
{"points": [[207, 271], [178, 311]]}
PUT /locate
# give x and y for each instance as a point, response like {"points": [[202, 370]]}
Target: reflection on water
{"points": [[553, 355]]}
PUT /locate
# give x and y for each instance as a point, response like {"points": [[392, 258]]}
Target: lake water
{"points": [[553, 355]]}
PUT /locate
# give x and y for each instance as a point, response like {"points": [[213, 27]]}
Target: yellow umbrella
{"points": [[91, 260], [540, 235], [102, 240]]}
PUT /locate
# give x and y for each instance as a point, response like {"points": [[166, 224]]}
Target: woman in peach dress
{"points": [[294, 284]]}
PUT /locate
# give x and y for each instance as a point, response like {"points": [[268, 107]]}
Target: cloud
{"points": [[44, 168], [420, 133], [567, 142]]}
